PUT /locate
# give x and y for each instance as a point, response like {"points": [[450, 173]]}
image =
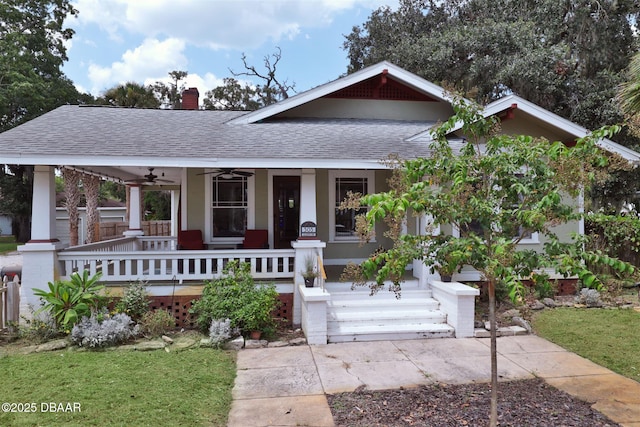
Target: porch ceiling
{"points": [[166, 176]]}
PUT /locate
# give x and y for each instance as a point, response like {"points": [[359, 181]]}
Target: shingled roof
{"points": [[95, 131]]}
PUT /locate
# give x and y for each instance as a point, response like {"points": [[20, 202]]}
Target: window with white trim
{"points": [[342, 223], [229, 206], [525, 236]]}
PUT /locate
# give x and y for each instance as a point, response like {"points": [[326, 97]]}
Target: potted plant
{"points": [[309, 273]]}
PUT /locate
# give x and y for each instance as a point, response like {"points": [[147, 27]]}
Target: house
{"points": [[283, 169]]}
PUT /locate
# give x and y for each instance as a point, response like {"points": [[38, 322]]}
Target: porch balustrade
{"points": [[155, 258]]}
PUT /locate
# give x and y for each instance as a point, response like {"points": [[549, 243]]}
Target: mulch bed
{"points": [[520, 404]]}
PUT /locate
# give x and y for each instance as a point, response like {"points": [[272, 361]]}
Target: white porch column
{"points": [[175, 204], [39, 256], [425, 226], [43, 209], [308, 197], [135, 212]]}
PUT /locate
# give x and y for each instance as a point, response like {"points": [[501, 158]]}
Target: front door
{"points": [[286, 208]]}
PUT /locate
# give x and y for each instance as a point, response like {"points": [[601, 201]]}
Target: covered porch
{"points": [[329, 312]]}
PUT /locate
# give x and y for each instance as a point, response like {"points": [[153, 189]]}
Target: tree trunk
{"points": [[91, 192], [494, 354], [21, 228], [71, 181]]}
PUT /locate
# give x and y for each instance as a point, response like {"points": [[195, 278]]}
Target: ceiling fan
{"points": [[227, 173], [149, 178]]}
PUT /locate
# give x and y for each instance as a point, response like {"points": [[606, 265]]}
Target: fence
{"points": [[9, 301], [114, 230]]}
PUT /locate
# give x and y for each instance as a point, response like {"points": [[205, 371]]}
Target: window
{"points": [[508, 226], [229, 206], [343, 222]]}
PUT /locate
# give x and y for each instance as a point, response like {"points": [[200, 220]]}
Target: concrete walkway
{"points": [[286, 386]]}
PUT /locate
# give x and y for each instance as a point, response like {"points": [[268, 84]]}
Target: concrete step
{"points": [[371, 304], [346, 287], [383, 295], [348, 333], [358, 316], [386, 317]]}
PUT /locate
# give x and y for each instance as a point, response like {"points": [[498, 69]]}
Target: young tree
{"points": [[495, 189]]}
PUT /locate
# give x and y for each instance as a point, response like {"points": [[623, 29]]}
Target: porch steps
{"points": [[357, 316]]}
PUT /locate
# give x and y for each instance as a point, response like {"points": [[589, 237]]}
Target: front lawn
{"points": [[117, 388], [608, 337], [7, 244]]}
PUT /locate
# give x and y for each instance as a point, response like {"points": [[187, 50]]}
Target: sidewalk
{"points": [[286, 386]]}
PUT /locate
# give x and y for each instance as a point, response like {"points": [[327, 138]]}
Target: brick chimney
{"points": [[190, 99]]}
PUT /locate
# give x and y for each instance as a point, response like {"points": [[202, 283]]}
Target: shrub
{"points": [[38, 329], [135, 300], [543, 287], [69, 301], [220, 331], [94, 332], [235, 295], [157, 322]]}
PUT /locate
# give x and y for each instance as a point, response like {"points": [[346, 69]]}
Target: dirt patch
{"points": [[520, 403]]}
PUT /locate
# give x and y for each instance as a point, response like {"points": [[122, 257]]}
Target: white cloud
{"points": [[169, 27], [152, 58], [219, 24]]}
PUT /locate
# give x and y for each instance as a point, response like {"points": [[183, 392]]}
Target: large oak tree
{"points": [[567, 56], [32, 52]]}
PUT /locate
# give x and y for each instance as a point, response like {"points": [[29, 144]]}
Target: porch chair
{"points": [[255, 239], [190, 240]]}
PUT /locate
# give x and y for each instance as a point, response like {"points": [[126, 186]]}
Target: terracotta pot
{"points": [[255, 335]]}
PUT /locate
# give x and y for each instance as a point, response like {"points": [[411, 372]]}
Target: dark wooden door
{"points": [[286, 210]]}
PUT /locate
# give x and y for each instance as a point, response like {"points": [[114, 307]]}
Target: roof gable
{"points": [[382, 87], [512, 106], [382, 81]]}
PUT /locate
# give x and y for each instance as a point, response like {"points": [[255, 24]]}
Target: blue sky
{"points": [[143, 40]]}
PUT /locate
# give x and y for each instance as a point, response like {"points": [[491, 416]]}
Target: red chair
{"points": [[190, 240], [255, 239]]}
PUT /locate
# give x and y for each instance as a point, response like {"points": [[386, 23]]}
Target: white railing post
{"points": [[304, 249], [457, 301], [313, 307], [39, 267]]}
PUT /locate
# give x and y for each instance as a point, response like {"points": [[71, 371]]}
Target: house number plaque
{"points": [[308, 229]]}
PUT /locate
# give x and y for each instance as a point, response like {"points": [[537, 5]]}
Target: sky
{"points": [[117, 41]]}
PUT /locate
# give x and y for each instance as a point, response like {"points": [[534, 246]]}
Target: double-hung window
{"points": [[229, 206], [342, 222], [509, 225]]}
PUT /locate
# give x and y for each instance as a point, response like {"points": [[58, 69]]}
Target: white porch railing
{"points": [[147, 258]]}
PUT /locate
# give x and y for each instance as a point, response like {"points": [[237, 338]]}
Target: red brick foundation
{"points": [[179, 306], [563, 286]]}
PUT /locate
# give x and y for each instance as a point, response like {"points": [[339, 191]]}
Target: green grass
{"points": [[190, 387], [7, 244], [610, 338]]}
